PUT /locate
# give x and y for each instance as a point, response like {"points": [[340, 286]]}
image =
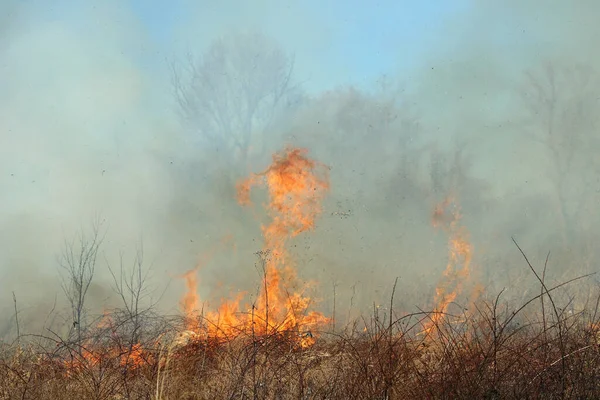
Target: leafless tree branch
{"points": [[77, 267]]}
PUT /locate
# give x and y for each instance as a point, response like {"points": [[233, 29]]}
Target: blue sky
{"points": [[335, 42]]}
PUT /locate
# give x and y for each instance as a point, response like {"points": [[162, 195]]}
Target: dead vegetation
{"points": [[545, 346], [492, 351]]}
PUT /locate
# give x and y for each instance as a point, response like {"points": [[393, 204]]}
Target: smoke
{"points": [[82, 127], [91, 128]]}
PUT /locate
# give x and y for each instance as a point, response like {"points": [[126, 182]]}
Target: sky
{"points": [[351, 41]]}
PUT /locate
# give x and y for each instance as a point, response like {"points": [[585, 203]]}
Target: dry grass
{"points": [[486, 356], [492, 351]]}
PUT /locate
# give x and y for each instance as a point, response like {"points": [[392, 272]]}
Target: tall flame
{"points": [[460, 253], [296, 186], [191, 301]]}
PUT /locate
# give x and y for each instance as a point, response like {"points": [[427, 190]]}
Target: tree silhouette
{"points": [[231, 96], [563, 107]]}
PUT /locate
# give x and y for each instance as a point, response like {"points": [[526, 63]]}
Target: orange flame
{"points": [[91, 357], [460, 253], [95, 355], [190, 301], [296, 186]]}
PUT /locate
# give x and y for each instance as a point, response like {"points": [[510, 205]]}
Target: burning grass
{"points": [[296, 185], [485, 355], [279, 347]]}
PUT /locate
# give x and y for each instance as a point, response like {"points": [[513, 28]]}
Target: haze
{"points": [[101, 118]]}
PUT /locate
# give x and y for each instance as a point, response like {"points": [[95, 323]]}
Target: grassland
{"points": [[495, 350]]}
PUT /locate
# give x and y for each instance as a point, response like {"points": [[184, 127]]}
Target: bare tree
{"points": [[563, 108], [232, 94], [132, 326], [77, 267], [130, 285]]}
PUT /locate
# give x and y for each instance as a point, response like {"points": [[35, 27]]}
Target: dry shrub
{"points": [[491, 351]]}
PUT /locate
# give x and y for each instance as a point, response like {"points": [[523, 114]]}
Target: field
{"points": [[486, 356], [280, 346]]}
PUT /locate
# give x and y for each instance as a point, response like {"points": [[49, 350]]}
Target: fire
{"points": [[190, 300], [91, 356], [190, 303], [94, 355], [460, 253], [133, 357], [296, 186]]}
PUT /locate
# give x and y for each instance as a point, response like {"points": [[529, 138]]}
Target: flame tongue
{"points": [[295, 193], [460, 252], [296, 186]]}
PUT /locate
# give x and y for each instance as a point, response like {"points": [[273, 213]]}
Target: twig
{"points": [[16, 316], [561, 359], [558, 317]]}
